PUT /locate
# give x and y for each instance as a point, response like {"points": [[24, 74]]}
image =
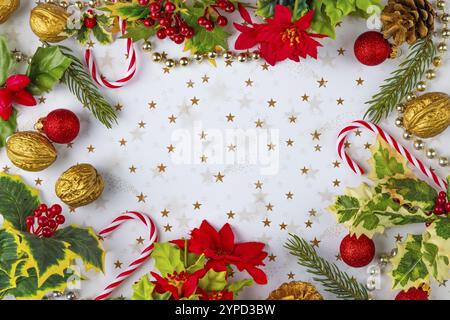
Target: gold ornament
{"points": [[295, 290], [30, 151], [427, 115], [79, 185], [7, 8], [48, 21]]}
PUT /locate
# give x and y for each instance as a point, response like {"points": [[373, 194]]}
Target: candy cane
{"points": [[152, 238], [342, 138], [131, 71]]}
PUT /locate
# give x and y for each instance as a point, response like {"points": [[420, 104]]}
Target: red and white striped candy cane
{"points": [[132, 65], [342, 138], [145, 254]]}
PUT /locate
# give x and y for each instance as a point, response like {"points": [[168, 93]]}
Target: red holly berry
{"points": [[442, 195], [178, 38], [60, 219], [61, 126], [202, 21], [47, 232], [154, 7], [42, 208], [230, 7], [56, 209], [42, 221], [357, 252], [161, 34], [440, 202], [222, 21], [90, 22], [37, 213], [52, 224], [189, 33], [148, 22], [222, 4], [438, 211], [165, 22], [209, 26], [171, 31], [144, 2], [29, 220], [156, 15], [371, 48], [412, 294], [169, 7], [447, 207]]}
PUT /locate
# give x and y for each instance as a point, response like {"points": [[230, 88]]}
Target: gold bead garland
{"points": [[421, 86]]}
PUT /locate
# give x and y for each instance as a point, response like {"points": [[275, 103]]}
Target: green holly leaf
{"points": [[17, 200], [143, 289], [128, 11], [238, 286], [408, 267], [162, 296], [9, 252], [84, 243], [265, 8], [213, 281], [82, 35], [102, 30], [46, 69], [386, 162], [195, 263], [6, 60], [7, 128], [167, 258], [139, 32], [412, 191], [345, 208]]}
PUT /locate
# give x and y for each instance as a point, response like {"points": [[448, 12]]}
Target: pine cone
{"points": [[295, 290], [407, 20]]}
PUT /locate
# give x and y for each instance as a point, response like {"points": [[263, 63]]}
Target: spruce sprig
{"points": [[328, 274], [403, 80], [81, 85]]}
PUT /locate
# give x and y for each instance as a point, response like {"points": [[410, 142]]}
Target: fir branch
{"points": [[81, 85], [328, 274], [403, 80]]}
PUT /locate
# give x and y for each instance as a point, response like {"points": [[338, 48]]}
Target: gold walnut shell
{"points": [[48, 21], [295, 290], [80, 185], [30, 151], [427, 115], [7, 8]]}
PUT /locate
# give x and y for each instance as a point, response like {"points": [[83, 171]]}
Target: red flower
{"points": [[181, 285], [221, 249], [279, 38], [215, 295], [14, 92]]}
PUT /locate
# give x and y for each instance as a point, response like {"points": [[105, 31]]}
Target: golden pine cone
{"points": [[295, 290], [407, 20], [7, 8], [49, 21]]}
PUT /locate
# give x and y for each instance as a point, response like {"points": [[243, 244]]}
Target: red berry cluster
{"points": [[47, 220], [170, 22], [206, 20], [90, 21], [441, 206]]}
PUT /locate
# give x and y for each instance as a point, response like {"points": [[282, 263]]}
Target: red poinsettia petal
{"points": [[180, 243], [282, 15], [244, 14], [305, 22], [242, 28], [227, 238], [190, 286], [24, 98], [17, 82], [258, 275], [163, 285], [251, 252], [268, 54], [205, 240], [216, 265], [246, 40], [5, 104]]}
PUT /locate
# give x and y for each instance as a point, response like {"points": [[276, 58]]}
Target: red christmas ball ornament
{"points": [[371, 48], [357, 252], [412, 294], [60, 126]]}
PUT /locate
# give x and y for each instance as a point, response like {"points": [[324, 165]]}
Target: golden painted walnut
{"points": [[79, 185], [7, 8], [295, 290], [427, 115], [30, 151], [49, 21]]}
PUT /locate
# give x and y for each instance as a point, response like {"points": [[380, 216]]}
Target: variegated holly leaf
{"points": [[143, 289], [195, 262], [102, 31], [17, 200], [408, 266], [167, 258], [9, 252], [84, 243], [138, 32], [213, 281], [130, 11], [238, 286]]}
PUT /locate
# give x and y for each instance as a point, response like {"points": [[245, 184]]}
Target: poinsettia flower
{"points": [[220, 248], [181, 285], [279, 38], [215, 295], [15, 92]]}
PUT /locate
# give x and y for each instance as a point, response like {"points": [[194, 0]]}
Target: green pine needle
{"points": [[328, 274], [402, 81], [81, 85]]}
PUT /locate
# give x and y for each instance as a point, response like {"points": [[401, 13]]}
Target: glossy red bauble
{"points": [[371, 48], [60, 126], [412, 294], [357, 252]]}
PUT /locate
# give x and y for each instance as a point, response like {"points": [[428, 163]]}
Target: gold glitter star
{"points": [[367, 145], [170, 148], [203, 135], [118, 264], [265, 66], [230, 117], [358, 133], [341, 51], [141, 197], [90, 149], [315, 242], [312, 212], [272, 257], [172, 119], [190, 84], [289, 195], [140, 240], [205, 78], [258, 184], [152, 105], [219, 177], [164, 55], [248, 83], [132, 169], [195, 101], [269, 207], [6, 169], [291, 275], [167, 228], [308, 224], [292, 119], [338, 257], [70, 145], [305, 97], [90, 44], [231, 147], [271, 103], [304, 170], [283, 226], [118, 107], [336, 183], [166, 70], [230, 214], [141, 124], [259, 123], [42, 99], [123, 142], [204, 158], [229, 63], [197, 205], [340, 102], [317, 148], [322, 83], [316, 135], [398, 238], [161, 168], [336, 164], [266, 222], [347, 144], [290, 142], [359, 82], [165, 213], [38, 182], [271, 146]]}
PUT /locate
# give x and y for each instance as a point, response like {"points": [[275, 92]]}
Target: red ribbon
{"points": [[15, 92]]}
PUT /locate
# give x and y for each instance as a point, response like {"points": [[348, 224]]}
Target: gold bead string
{"points": [[421, 86]]}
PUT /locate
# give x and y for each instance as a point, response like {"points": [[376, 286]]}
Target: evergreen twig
{"points": [[81, 85], [403, 80], [328, 274]]}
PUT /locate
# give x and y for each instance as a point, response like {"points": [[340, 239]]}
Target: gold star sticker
{"points": [[398, 238], [204, 158], [197, 205], [231, 147], [304, 170], [338, 257], [266, 222], [118, 107], [165, 213], [123, 142], [322, 83], [283, 226], [289, 195], [269, 207], [203, 135], [265, 66], [190, 84], [38, 182], [358, 133], [341, 52], [305, 97], [259, 123], [161, 168], [271, 103], [167, 228], [219, 177], [164, 55], [70, 145], [292, 119], [140, 240], [312, 212], [141, 197], [132, 169], [90, 44], [230, 117], [118, 264], [367, 145], [170, 148], [308, 224], [336, 183], [205, 78], [290, 142], [42, 99], [166, 70], [347, 144], [316, 135], [291, 275], [6, 169], [248, 83], [336, 164], [271, 146], [359, 82], [72, 210], [172, 119], [195, 101], [315, 242], [152, 105], [90, 149], [272, 257], [229, 63], [258, 184], [317, 148], [230, 214], [141, 124], [340, 102]]}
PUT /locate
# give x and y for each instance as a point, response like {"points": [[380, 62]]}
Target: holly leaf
{"points": [[265, 8], [167, 258], [6, 60], [7, 128], [143, 289], [9, 252], [238, 286], [213, 281], [84, 243], [102, 30], [128, 11], [408, 268], [386, 162], [17, 200], [139, 32], [46, 69], [195, 264]]}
